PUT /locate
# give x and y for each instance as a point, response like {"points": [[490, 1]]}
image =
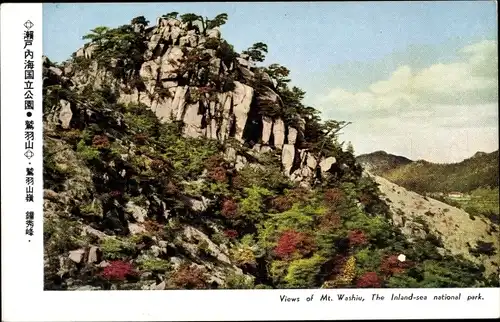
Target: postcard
{"points": [[250, 161]]}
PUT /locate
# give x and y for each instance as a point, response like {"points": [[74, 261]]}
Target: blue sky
{"points": [[328, 46]]}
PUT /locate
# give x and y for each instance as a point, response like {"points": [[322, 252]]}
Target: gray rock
{"points": [[287, 157], [267, 126], [327, 163], [292, 135], [242, 98], [77, 255], [65, 115], [192, 121], [94, 254], [136, 229], [213, 33], [137, 212], [160, 287], [279, 132]]}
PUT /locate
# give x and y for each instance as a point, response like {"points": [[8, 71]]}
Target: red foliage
{"points": [[330, 220], [368, 280], [215, 161], [157, 165], [357, 238], [299, 194], [238, 182], [189, 277], [100, 141], [391, 265], [118, 271], [171, 188], [140, 138], [337, 265], [282, 203], [231, 233], [365, 199], [153, 226], [229, 209], [206, 89], [291, 242], [333, 196], [218, 174], [115, 193]]}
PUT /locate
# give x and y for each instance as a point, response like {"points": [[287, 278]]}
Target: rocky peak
{"points": [[185, 73]]}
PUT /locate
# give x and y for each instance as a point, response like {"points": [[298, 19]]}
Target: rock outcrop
{"points": [[172, 95]]}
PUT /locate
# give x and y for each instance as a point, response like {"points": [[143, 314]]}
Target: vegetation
{"points": [[158, 193]]}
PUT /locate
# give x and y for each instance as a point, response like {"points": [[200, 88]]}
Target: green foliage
{"points": [[252, 205], [141, 20], [239, 282], [114, 248], [303, 272], [171, 15], [61, 235], [154, 265], [87, 153], [257, 52], [422, 176]]}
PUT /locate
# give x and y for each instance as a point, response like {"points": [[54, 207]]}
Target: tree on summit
{"points": [[141, 20], [257, 52]]}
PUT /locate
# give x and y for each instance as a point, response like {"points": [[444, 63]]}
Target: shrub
{"points": [[244, 256], [189, 277], [140, 138], [118, 271], [229, 209], [330, 220], [368, 280], [292, 243], [230, 233], [114, 249], [218, 174], [333, 196], [390, 265], [239, 282], [282, 203], [484, 248], [357, 238], [155, 265], [100, 142], [302, 273]]}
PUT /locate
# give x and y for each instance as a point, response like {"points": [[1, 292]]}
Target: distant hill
{"points": [[380, 162], [481, 170]]}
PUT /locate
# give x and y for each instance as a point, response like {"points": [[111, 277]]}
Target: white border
{"points": [[22, 265]]}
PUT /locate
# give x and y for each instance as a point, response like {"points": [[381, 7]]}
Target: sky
{"points": [[418, 79]]}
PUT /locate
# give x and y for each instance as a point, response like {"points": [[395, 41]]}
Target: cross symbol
{"points": [[28, 24]]}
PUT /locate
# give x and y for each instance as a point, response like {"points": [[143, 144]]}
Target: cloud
{"points": [[472, 80], [425, 112]]}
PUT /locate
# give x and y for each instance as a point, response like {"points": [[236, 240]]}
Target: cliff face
{"points": [[175, 92]]}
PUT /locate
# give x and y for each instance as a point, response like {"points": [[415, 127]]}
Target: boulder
{"points": [[94, 255], [213, 33], [136, 229], [77, 255], [65, 114], [137, 212], [327, 163]]}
